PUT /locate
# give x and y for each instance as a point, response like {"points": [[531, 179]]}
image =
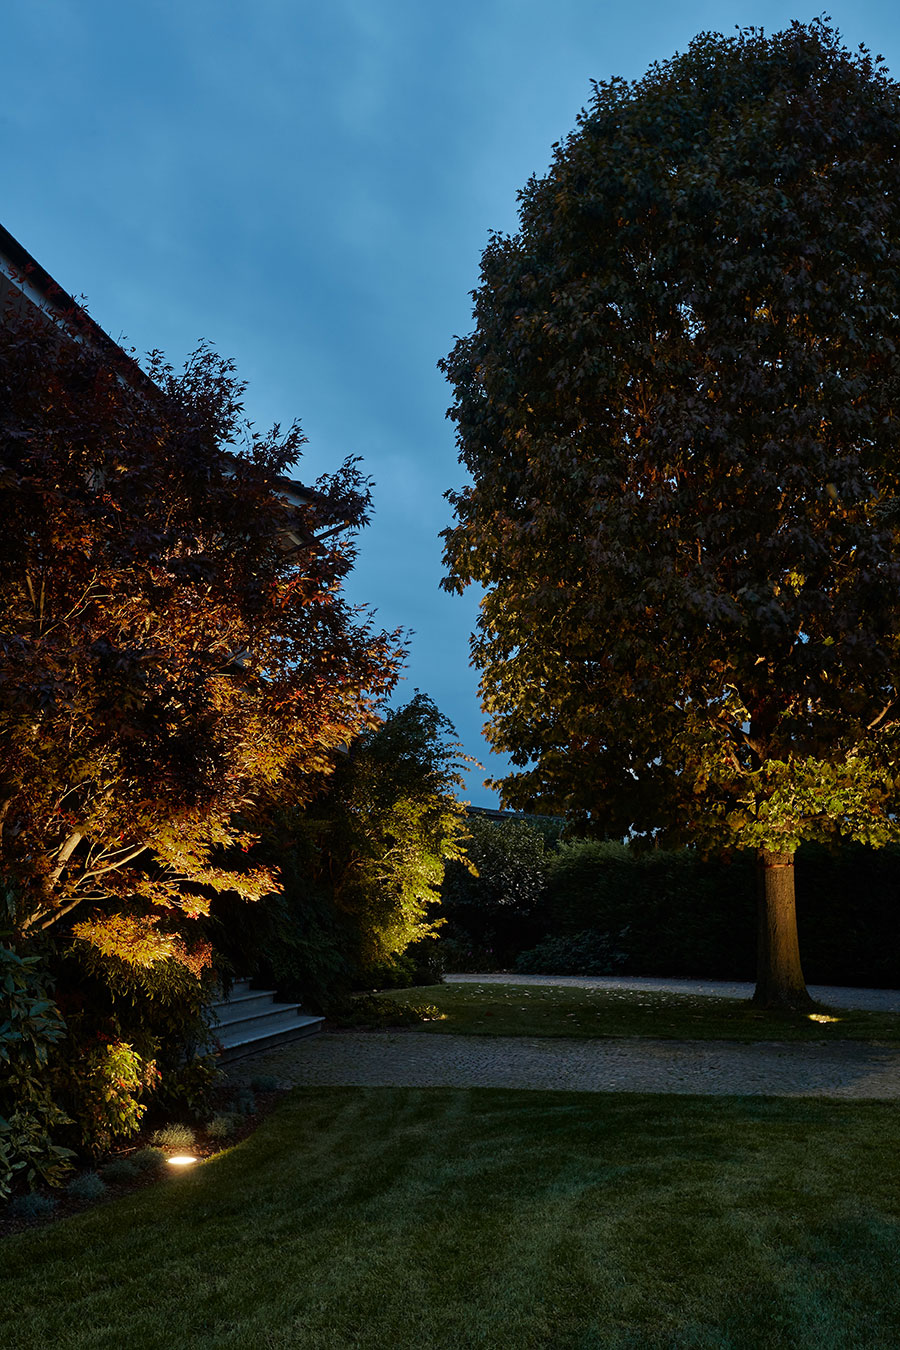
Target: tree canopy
{"points": [[678, 409], [172, 636]]}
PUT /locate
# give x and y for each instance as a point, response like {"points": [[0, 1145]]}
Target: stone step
{"points": [[301, 1025], [250, 1019], [245, 1004], [277, 1017]]}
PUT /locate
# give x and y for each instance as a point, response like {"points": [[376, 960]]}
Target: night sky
{"points": [[310, 187]]}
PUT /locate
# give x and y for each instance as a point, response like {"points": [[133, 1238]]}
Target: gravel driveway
{"points": [[419, 1059], [422, 1059]]}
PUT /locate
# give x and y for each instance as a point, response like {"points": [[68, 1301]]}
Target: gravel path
{"points": [[420, 1059]]}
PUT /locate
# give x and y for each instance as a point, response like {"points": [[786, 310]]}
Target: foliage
{"points": [[106, 1082], [119, 1172], [494, 902], [388, 826], [362, 864], [160, 1011], [87, 1186], [30, 1116], [367, 1010], [33, 1205], [173, 635], [685, 915], [296, 939], [148, 1159], [586, 953], [265, 1082], [222, 1126], [678, 411], [174, 1136]]}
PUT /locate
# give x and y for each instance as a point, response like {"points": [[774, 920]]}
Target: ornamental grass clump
{"points": [[148, 1160], [87, 1186], [222, 1126], [119, 1172], [31, 1206], [265, 1083], [173, 1137]]}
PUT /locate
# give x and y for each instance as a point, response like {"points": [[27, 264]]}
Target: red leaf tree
{"points": [[172, 636]]}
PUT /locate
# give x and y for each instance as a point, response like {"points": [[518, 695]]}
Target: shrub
{"points": [[87, 1186], [148, 1159], [396, 973], [160, 1011], [173, 1136], [367, 1011], [586, 953], [221, 1126], [461, 953], [31, 1118], [685, 915], [106, 1082], [119, 1172], [32, 1206], [498, 906], [244, 1103], [265, 1083]]}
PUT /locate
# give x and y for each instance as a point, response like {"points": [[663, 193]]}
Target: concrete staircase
{"points": [[250, 1019]]}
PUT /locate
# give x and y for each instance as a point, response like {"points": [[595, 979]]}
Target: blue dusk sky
{"points": [[310, 187]]}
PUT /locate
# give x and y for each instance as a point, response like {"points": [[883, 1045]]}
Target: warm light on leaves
{"points": [[173, 639]]}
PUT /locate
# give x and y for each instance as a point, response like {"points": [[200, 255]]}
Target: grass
{"points": [[559, 1010], [424, 1219]]}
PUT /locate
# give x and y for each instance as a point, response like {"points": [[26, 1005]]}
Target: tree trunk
{"points": [[779, 976]]}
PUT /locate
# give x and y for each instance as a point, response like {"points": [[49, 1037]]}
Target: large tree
{"points": [[173, 635], [678, 409]]}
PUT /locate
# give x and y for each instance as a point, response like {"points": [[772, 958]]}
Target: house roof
{"points": [[21, 271]]}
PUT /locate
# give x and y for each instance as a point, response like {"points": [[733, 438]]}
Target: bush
{"points": [[32, 1206], [684, 915], [222, 1126], [461, 953], [148, 1159], [31, 1118], [119, 1172], [159, 1011], [367, 1011], [105, 1084], [587, 953], [243, 1103], [691, 916], [396, 973], [173, 1136], [265, 1082], [87, 1186], [498, 907]]}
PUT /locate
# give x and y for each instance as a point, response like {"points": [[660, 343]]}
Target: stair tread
{"points": [[299, 1024], [233, 1032]]}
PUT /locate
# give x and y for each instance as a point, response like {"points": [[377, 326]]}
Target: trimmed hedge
{"points": [[668, 913], [686, 916]]}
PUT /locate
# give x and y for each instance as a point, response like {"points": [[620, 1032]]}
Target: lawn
{"points": [[560, 1010], [386, 1219]]}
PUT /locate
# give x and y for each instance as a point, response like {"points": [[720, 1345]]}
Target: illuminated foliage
{"points": [[387, 825], [678, 411], [171, 635]]}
